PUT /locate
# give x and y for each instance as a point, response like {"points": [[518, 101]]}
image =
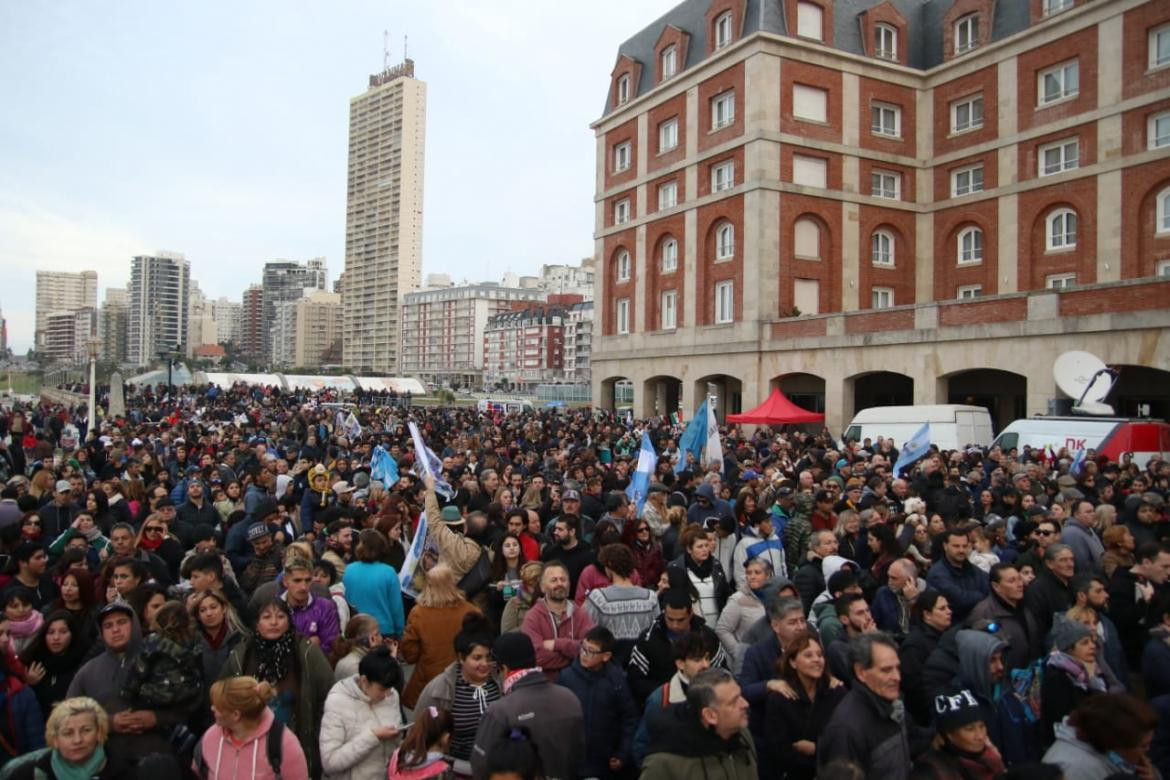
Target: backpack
{"points": [[477, 579], [272, 750], [1025, 687]]}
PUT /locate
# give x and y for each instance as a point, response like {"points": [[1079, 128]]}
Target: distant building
{"points": [[62, 291], [539, 344], [317, 330], [68, 335], [159, 289], [284, 281], [578, 342], [252, 340], [113, 325], [568, 279]]}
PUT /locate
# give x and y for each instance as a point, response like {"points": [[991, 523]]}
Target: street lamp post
{"points": [[91, 401]]}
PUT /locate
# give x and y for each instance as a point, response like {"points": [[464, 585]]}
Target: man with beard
{"points": [[568, 549], [555, 624], [338, 544]]}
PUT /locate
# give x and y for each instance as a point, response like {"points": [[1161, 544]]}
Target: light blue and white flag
{"points": [[640, 480], [353, 428], [1078, 462], [383, 468], [413, 556], [917, 446], [429, 462], [693, 438], [714, 449]]}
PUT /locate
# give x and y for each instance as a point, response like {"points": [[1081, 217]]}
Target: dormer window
{"points": [[810, 21], [723, 30], [623, 89], [966, 33], [885, 42], [669, 61]]}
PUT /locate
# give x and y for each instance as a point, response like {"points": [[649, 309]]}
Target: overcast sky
{"points": [[219, 129]]}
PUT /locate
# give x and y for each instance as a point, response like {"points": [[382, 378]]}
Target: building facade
{"points": [[113, 325], [524, 347], [884, 202], [62, 291], [70, 334], [443, 329], [317, 330], [159, 308], [252, 339], [578, 342], [384, 219], [284, 281]]}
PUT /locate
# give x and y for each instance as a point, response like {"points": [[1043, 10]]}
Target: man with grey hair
{"points": [[869, 726], [893, 602], [758, 673], [1050, 592], [809, 578], [706, 734]]}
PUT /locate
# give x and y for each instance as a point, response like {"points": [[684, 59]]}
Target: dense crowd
{"points": [[247, 583]]}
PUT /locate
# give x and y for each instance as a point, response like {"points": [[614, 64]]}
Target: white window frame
{"points": [[668, 135], [1068, 157], [804, 21], [885, 119], [970, 245], [1156, 34], [974, 110], [1060, 281], [723, 176], [623, 266], [974, 179], [725, 241], [1153, 139], [667, 195], [668, 62], [881, 297], [882, 249], [1052, 7], [621, 211], [885, 49], [724, 302], [1162, 268], [623, 89], [622, 155], [1066, 76], [1162, 213], [668, 310], [623, 316], [966, 33], [810, 104], [968, 292], [669, 256], [1060, 230], [879, 181], [723, 109], [723, 32]]}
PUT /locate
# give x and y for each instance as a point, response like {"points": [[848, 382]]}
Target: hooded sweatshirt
{"points": [[1008, 727], [226, 759], [829, 566], [349, 749], [1077, 759]]}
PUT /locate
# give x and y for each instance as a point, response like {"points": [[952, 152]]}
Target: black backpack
{"points": [[272, 749]]}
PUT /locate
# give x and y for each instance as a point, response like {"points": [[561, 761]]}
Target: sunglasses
{"points": [[1046, 533], [32, 522], [154, 529]]}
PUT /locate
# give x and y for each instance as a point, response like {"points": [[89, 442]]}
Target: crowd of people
{"points": [[245, 583]]}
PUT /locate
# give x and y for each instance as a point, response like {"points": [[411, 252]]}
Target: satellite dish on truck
{"points": [[1083, 377]]}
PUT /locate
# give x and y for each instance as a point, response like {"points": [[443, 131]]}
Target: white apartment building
{"points": [[62, 291], [159, 290], [317, 329]]}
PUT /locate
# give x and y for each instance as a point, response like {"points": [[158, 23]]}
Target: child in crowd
{"points": [[421, 753]]}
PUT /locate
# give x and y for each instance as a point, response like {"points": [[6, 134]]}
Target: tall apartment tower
{"points": [[285, 281], [252, 322], [62, 291], [383, 226], [113, 324], [159, 291]]}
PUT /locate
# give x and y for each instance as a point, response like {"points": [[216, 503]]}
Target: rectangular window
{"points": [[723, 110], [806, 294], [1159, 130], [966, 33], [967, 114], [623, 267], [810, 21], [621, 157], [667, 195], [724, 302], [723, 176], [809, 171], [623, 90], [667, 135], [1059, 156], [621, 212], [723, 30], [669, 310], [669, 256], [669, 62], [1059, 83], [885, 184], [882, 298], [1163, 268], [810, 103], [885, 119], [965, 181], [1160, 46], [1056, 6], [1060, 281], [623, 315], [969, 291], [885, 42]]}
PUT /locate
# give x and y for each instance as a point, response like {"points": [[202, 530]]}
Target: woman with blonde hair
{"points": [[237, 746], [1119, 546], [41, 485], [428, 641], [517, 606], [76, 734]]}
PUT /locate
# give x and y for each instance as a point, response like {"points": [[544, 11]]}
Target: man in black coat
{"points": [[809, 579], [1017, 626], [1049, 593], [652, 659]]}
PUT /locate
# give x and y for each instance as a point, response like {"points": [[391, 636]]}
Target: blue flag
{"points": [[640, 480], [429, 463], [413, 556], [915, 448], [693, 438], [383, 468], [1078, 462]]}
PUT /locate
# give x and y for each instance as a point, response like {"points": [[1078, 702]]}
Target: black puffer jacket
{"points": [[869, 731]]}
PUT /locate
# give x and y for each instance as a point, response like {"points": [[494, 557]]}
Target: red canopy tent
{"points": [[777, 410]]}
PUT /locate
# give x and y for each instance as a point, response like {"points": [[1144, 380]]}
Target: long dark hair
{"points": [[430, 724], [499, 565], [38, 650]]}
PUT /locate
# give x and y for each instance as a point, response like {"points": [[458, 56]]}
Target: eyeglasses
{"points": [[154, 529], [587, 650]]}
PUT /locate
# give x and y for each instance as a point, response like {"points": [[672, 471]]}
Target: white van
{"points": [[504, 406], [1110, 436], [952, 426]]}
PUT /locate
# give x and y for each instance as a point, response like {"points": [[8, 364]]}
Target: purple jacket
{"points": [[318, 619]]}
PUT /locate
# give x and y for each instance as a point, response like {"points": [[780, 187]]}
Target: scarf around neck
{"points": [[274, 657], [67, 770], [702, 570], [27, 627], [1076, 672]]}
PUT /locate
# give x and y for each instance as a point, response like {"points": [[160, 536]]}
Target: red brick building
{"points": [[897, 201]]}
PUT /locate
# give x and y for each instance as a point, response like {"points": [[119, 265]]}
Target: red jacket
{"points": [[566, 635]]}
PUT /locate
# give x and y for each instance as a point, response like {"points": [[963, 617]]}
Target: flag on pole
{"points": [[640, 480], [693, 438], [912, 450], [383, 468], [429, 462], [413, 555], [714, 450], [1078, 462], [353, 428]]}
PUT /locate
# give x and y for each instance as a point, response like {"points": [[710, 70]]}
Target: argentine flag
{"points": [[413, 556], [714, 453], [912, 450], [640, 481], [1078, 462], [693, 438], [429, 462], [383, 468]]}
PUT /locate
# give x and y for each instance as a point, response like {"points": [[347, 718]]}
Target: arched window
{"points": [[725, 241], [970, 245], [806, 238], [885, 41], [882, 248], [1060, 230], [623, 266], [1162, 221], [669, 255], [723, 32]]}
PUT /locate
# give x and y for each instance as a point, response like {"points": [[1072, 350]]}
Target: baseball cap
{"points": [[115, 606], [63, 486], [257, 531], [956, 709], [570, 495]]}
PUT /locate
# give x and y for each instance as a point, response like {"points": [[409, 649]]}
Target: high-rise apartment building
{"points": [[284, 281], [252, 339], [159, 289], [113, 324], [884, 202], [62, 291], [317, 330], [226, 315], [69, 335], [383, 226]]}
